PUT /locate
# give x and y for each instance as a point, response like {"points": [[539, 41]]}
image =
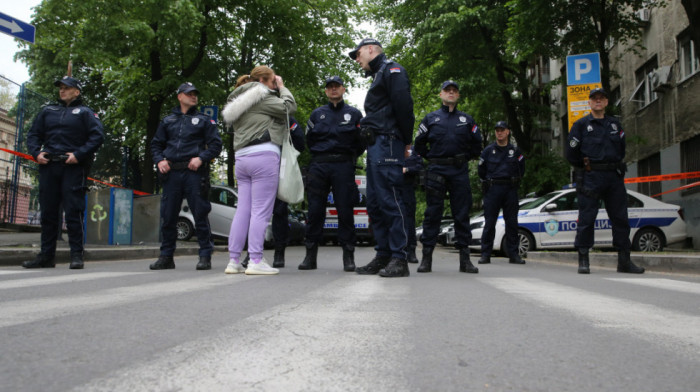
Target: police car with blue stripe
{"points": [[549, 222]]}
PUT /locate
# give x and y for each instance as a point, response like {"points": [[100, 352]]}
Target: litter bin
{"points": [[108, 217]]}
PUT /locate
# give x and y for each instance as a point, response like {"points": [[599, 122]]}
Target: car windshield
{"points": [[538, 202]]}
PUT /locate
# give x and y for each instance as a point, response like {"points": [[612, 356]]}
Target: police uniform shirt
{"points": [[388, 103], [334, 129], [60, 129], [445, 134], [498, 162], [601, 140], [183, 136]]}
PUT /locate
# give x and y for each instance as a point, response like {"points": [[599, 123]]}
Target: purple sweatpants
{"points": [[257, 175]]}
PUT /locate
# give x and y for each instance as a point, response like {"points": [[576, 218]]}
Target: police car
{"points": [[224, 200], [550, 221], [363, 227]]}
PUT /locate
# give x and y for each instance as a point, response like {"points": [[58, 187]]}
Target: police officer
{"points": [[333, 138], [448, 139], [280, 212], [184, 144], [411, 173], [63, 139], [388, 130], [596, 149], [501, 167]]}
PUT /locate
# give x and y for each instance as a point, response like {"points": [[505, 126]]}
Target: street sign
{"points": [[577, 97], [16, 28], [583, 69], [211, 111]]}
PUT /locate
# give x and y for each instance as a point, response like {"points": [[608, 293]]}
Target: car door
{"points": [[559, 221], [223, 207]]}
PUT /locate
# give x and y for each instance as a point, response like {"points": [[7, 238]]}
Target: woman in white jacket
{"points": [[258, 111]]}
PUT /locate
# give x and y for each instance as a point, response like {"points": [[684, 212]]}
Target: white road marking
{"points": [[15, 272], [657, 325], [80, 277], [666, 284], [291, 347]]}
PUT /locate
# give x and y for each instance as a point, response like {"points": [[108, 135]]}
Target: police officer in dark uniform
{"points": [[596, 149], [388, 130], [280, 212], [184, 144], [63, 139], [333, 137], [501, 167], [448, 139], [411, 174]]}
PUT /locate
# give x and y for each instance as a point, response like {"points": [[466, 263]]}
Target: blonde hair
{"points": [[261, 73]]}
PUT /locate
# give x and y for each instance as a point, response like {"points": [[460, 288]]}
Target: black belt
{"points": [[504, 181], [455, 160], [322, 158], [179, 165], [607, 166], [56, 157]]}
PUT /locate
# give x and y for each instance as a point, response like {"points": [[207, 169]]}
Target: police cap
{"points": [[448, 83], [598, 90], [502, 124], [68, 81], [186, 88], [366, 41], [334, 79]]}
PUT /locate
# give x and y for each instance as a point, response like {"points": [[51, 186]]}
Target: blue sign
{"points": [[211, 111], [16, 28], [583, 69]]}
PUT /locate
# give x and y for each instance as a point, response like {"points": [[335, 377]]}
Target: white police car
{"points": [[550, 221], [363, 228]]}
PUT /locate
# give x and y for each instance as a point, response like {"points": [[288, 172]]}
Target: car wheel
{"points": [[648, 240], [185, 230], [526, 243]]}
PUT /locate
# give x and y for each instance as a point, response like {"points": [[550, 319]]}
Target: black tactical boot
{"points": [[465, 265], [374, 266], [204, 263], [515, 259], [348, 260], [76, 261], [40, 261], [624, 264], [397, 268], [484, 259], [583, 263], [163, 262], [411, 250], [426, 264], [278, 260], [309, 262]]}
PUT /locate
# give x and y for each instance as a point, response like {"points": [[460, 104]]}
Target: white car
{"points": [[549, 222]]}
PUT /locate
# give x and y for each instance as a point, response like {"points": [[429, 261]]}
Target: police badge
{"points": [[195, 121], [347, 117], [462, 119], [590, 128], [76, 111]]}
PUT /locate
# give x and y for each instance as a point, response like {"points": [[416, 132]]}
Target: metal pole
{"points": [[14, 186]]}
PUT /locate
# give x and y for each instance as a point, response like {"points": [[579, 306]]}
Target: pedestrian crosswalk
{"points": [[341, 330]]}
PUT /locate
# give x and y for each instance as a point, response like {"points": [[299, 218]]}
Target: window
{"points": [[222, 196], [687, 57], [650, 166], [644, 94], [690, 162]]}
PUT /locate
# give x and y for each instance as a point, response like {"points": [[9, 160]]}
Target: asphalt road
{"points": [[116, 326]]}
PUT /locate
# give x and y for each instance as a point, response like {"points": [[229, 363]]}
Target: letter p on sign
{"points": [[583, 69]]}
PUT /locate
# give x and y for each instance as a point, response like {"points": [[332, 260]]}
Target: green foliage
{"points": [[544, 172]]}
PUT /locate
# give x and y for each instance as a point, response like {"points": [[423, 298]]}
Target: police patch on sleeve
{"points": [[475, 128], [573, 142], [422, 128], [395, 70], [481, 160], [212, 121]]}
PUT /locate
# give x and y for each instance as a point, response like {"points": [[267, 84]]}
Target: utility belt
{"points": [[323, 158], [264, 138], [504, 181], [179, 165], [56, 157], [369, 135], [457, 160], [606, 166]]}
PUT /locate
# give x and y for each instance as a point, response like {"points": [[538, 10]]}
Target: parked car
{"points": [[549, 222], [224, 200], [363, 227]]}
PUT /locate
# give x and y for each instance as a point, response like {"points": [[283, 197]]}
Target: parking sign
{"points": [[583, 69]]}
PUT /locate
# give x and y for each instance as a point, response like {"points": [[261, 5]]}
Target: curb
{"points": [[682, 262]]}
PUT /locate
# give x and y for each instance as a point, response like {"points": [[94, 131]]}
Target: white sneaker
{"points": [[233, 268], [262, 268]]}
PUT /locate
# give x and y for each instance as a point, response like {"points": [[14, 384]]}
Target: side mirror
{"points": [[550, 207]]}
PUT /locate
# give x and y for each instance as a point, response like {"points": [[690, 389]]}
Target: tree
{"points": [[7, 97], [133, 54]]}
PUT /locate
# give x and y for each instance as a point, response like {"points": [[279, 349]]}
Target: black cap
{"points": [[598, 90], [334, 79], [186, 88], [68, 81], [448, 83], [366, 41], [502, 124]]}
